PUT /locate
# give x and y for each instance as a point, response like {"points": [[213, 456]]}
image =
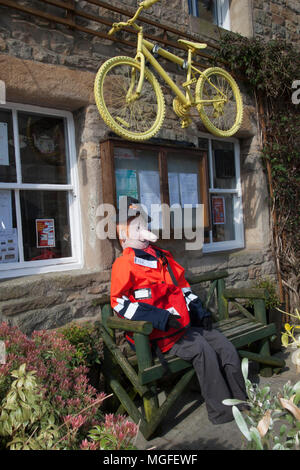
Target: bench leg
{"points": [[264, 350], [144, 356]]}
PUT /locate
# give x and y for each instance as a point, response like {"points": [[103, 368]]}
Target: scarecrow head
{"points": [[132, 225]]}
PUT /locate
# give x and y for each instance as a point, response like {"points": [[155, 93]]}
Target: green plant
{"points": [[268, 284], [116, 433], [288, 338], [86, 341], [27, 420], [272, 421]]}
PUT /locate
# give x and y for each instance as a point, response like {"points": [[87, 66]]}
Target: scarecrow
{"points": [[148, 284]]}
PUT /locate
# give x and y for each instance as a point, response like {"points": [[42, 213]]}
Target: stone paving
{"points": [[187, 426]]}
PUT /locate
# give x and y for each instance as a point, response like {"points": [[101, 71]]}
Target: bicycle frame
{"points": [[144, 49]]}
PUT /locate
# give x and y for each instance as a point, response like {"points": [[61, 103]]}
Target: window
{"points": [[209, 175], [155, 174], [39, 211], [225, 197], [215, 11]]}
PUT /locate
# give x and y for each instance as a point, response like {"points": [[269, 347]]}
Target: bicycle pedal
{"points": [[186, 122]]}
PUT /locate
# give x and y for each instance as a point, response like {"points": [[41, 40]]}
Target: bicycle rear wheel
{"points": [[221, 118], [134, 119]]}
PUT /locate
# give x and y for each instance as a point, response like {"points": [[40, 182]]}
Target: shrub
{"points": [[266, 283], [51, 355], [86, 341], [46, 401]]}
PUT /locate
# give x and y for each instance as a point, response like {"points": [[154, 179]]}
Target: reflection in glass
{"points": [[7, 149], [223, 165], [43, 156]]}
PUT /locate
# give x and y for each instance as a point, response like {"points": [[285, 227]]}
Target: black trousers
{"points": [[218, 369]]}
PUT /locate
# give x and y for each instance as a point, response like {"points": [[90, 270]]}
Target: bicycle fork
{"points": [[134, 93]]}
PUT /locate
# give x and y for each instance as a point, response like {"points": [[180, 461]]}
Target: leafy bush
{"points": [[51, 355], [267, 283], [27, 420], [86, 341], [46, 401], [273, 421], [289, 338]]}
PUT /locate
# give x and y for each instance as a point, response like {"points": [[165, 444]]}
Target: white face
{"points": [[138, 235]]}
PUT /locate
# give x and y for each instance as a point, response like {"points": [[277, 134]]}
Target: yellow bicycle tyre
{"points": [[150, 86], [208, 121]]}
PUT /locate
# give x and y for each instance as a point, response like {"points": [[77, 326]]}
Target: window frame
{"points": [[221, 12], [108, 170], [239, 241], [8, 270]]}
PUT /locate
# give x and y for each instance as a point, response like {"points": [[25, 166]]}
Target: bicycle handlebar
{"points": [[143, 6], [148, 3]]}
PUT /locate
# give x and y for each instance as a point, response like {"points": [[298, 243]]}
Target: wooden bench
{"points": [[143, 372]]}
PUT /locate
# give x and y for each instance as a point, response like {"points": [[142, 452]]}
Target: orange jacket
{"points": [[142, 289]]}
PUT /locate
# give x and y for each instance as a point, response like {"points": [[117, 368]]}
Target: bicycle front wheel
{"points": [[219, 101], [132, 117]]}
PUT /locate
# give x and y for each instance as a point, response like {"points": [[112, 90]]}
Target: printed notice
{"points": [[45, 233], [189, 188], [8, 246], [126, 183], [218, 209], [4, 160], [5, 210], [150, 194], [173, 179]]}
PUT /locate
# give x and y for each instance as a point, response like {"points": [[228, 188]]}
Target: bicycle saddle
{"points": [[192, 45]]}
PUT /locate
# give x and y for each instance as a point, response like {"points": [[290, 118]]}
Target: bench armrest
{"points": [[143, 327], [246, 293]]}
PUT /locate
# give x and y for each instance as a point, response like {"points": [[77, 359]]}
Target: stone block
{"points": [[14, 307], [245, 258]]}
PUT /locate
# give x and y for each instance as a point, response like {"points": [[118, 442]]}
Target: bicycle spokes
{"points": [[219, 102], [129, 113]]}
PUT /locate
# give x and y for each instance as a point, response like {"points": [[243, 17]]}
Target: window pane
{"points": [[137, 175], [203, 143], [43, 158], [7, 153], [184, 187], [45, 223], [8, 230], [206, 10], [224, 173], [183, 172], [222, 206]]}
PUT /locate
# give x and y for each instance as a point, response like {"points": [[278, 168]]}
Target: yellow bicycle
{"points": [[130, 100]]}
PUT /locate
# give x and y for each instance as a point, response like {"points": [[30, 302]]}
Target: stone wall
{"points": [[50, 65], [277, 19], [51, 300]]}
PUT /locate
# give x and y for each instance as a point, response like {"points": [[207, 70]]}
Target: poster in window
{"points": [[218, 210], [45, 233], [150, 196], [8, 246], [189, 189], [174, 195], [5, 209], [126, 183]]}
